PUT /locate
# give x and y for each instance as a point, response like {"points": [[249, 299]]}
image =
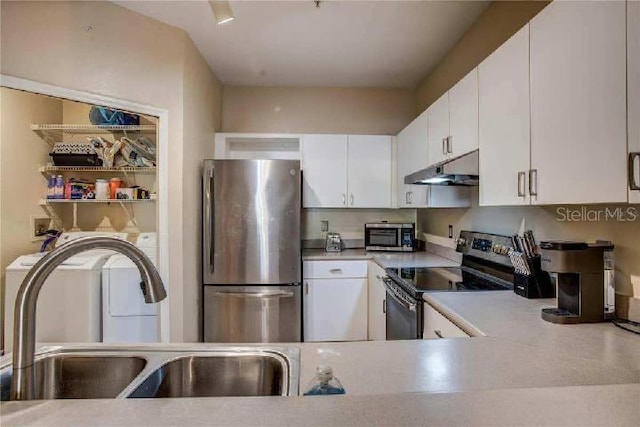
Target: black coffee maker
{"points": [[579, 269]]}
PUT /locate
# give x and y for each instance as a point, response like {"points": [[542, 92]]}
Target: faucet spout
{"points": [[23, 380]]}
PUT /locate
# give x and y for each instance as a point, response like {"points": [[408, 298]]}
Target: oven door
{"points": [[404, 314]]}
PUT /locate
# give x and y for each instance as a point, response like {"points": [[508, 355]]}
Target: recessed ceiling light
{"points": [[221, 10]]}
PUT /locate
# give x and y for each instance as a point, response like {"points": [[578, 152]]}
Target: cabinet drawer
{"points": [[334, 269], [438, 326]]}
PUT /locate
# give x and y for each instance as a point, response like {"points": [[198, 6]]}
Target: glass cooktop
{"points": [[446, 279]]}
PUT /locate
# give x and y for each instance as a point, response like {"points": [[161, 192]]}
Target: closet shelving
{"points": [[52, 133]]}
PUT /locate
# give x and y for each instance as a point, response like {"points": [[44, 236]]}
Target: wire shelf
{"points": [[44, 169], [90, 201], [53, 133]]}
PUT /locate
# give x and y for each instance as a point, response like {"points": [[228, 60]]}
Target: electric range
{"points": [[485, 267]]}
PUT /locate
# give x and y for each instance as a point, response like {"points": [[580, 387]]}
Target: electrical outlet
{"points": [[39, 223], [324, 225]]}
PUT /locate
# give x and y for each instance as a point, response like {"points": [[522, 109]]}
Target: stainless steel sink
{"points": [[224, 374], [75, 376], [95, 372]]}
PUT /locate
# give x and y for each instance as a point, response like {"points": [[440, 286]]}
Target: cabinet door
{"points": [[335, 309], [463, 115], [633, 97], [377, 303], [578, 103], [438, 128], [369, 176], [438, 326], [504, 123], [324, 165], [411, 156]]}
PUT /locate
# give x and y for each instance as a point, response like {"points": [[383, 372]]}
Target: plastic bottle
{"points": [[324, 382], [51, 187], [59, 187]]}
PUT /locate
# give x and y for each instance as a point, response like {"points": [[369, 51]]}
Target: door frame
{"points": [[162, 207]]}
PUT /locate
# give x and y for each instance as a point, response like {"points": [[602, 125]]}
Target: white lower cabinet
{"points": [[438, 326], [377, 328], [334, 304]]}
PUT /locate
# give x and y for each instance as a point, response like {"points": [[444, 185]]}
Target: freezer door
{"points": [[251, 214], [238, 314]]}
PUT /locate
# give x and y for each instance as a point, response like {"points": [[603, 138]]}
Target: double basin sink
{"points": [[153, 372]]}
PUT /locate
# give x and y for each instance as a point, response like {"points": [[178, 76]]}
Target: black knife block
{"points": [[536, 285]]}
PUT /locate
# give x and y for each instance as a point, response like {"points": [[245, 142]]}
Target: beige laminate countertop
{"points": [[517, 369], [384, 259], [507, 316]]}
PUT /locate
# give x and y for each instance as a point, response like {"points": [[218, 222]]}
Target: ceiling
{"points": [[341, 43]]}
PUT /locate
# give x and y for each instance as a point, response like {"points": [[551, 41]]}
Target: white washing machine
{"points": [[69, 304], [126, 317]]}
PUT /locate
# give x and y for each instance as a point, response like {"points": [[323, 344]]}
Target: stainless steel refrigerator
{"points": [[251, 251]]}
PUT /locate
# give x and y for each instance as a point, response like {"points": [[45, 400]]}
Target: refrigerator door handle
{"points": [[208, 218]]}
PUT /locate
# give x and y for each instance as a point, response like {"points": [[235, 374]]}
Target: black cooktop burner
{"points": [[446, 279]]}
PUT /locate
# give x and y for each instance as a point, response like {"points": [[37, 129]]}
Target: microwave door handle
{"points": [[393, 293], [209, 218]]}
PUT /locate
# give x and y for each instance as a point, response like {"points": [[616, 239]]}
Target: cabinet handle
{"points": [[406, 197], [444, 146], [335, 271], [633, 185], [438, 333], [521, 190], [410, 198], [449, 145], [344, 199], [533, 177], [384, 306], [351, 199], [306, 288]]}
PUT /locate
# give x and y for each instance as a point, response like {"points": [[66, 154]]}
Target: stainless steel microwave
{"points": [[387, 236]]}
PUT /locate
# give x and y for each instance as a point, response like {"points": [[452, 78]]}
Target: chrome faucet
{"points": [[24, 337]]}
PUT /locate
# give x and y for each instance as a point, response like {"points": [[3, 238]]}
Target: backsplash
{"points": [[588, 223], [349, 222]]}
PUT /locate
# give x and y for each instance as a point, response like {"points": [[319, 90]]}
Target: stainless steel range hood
{"points": [[462, 170]]}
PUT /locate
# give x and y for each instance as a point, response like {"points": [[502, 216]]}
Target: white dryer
{"points": [[69, 304], [126, 317]]}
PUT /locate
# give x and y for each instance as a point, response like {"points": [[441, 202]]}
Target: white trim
{"points": [[163, 163]]}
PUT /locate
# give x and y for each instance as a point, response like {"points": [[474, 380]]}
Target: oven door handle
{"points": [[395, 296]]}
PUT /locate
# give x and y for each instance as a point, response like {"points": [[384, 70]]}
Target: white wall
{"points": [[349, 222], [128, 56], [21, 185], [317, 110]]}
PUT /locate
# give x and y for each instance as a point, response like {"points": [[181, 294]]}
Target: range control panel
{"points": [[492, 247]]}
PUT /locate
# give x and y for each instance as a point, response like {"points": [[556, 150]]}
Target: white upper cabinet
{"points": [[438, 129], [633, 98], [369, 171], [578, 103], [463, 116], [504, 123], [411, 156], [342, 171], [324, 165]]}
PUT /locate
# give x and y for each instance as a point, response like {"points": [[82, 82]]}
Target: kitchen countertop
{"points": [[518, 369], [607, 405], [392, 382], [384, 259], [507, 316]]}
